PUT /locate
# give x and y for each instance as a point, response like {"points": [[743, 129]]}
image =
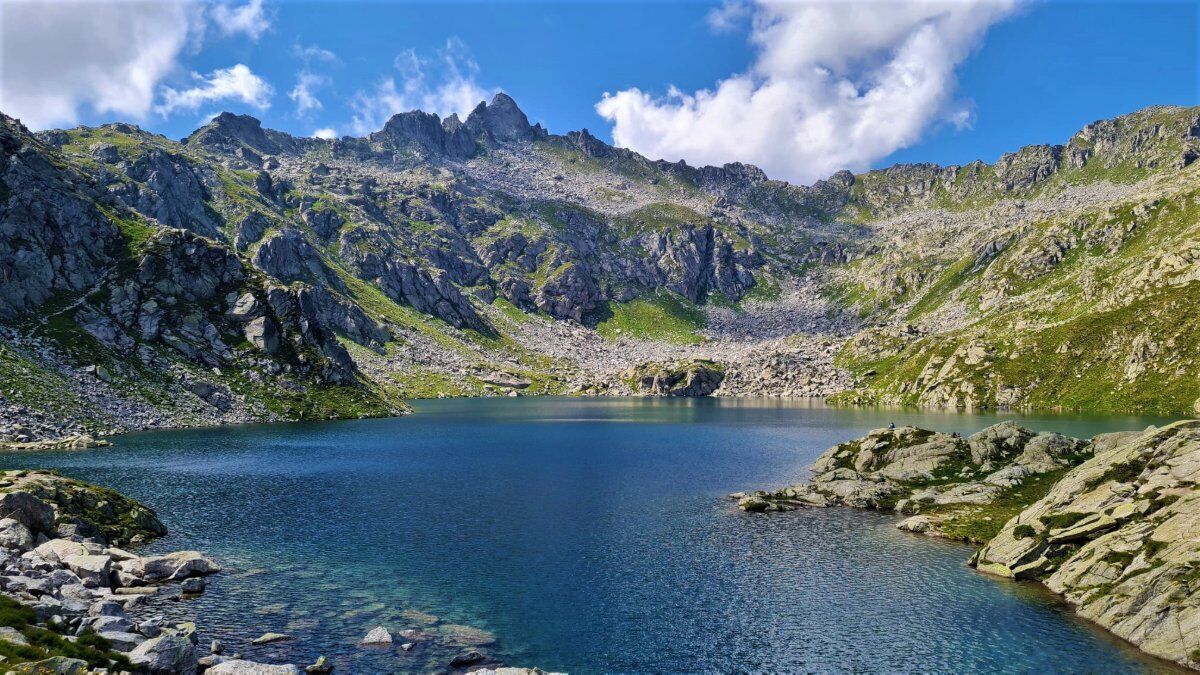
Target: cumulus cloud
{"points": [[444, 85], [304, 93], [328, 133], [237, 83], [59, 57], [834, 85], [249, 19]]}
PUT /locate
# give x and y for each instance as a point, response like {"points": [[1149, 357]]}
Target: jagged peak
{"points": [[234, 118], [229, 130], [501, 120], [410, 118]]}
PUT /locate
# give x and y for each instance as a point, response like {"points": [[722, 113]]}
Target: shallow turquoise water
{"points": [[586, 535]]}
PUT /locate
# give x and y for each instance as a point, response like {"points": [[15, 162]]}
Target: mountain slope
{"points": [[242, 273]]}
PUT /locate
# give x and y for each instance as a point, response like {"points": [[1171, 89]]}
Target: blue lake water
{"points": [[585, 535]]}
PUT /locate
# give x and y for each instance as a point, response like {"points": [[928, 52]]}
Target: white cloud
{"points": [[443, 86], [57, 58], [311, 53], [835, 85], [236, 83], [249, 19], [327, 133], [728, 16], [304, 93]]}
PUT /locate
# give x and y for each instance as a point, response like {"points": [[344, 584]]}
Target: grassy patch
{"points": [[662, 316], [980, 523], [44, 643]]}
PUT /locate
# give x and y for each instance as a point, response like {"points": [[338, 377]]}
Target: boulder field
{"points": [[1112, 524]]}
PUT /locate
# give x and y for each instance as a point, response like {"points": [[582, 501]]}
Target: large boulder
{"points": [[14, 535], [170, 566], [28, 510], [263, 333], [94, 570], [241, 667], [166, 654], [55, 665], [57, 550]]}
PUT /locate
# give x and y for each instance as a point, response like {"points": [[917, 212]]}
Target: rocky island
{"points": [[1109, 523]]}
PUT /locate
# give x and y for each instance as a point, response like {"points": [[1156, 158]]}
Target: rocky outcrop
{"points": [[501, 121], [58, 548], [288, 256], [418, 135], [1109, 523], [52, 238], [232, 133], [941, 476], [426, 290], [1117, 537], [689, 378]]}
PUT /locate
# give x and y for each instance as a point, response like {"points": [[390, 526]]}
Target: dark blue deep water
{"points": [[585, 536]]}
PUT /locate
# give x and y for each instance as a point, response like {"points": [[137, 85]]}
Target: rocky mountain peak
{"points": [[426, 135], [229, 131], [501, 120]]}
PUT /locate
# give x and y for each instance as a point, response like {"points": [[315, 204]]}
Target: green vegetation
{"points": [[659, 217], [1024, 531], [662, 316], [135, 229], [950, 279], [765, 289], [980, 523], [1058, 521], [45, 643]]}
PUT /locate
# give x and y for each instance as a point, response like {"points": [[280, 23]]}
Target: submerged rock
{"points": [[377, 636], [466, 660], [268, 638], [321, 667]]}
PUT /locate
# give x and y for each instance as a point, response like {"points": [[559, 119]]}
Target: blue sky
{"points": [[990, 77]]}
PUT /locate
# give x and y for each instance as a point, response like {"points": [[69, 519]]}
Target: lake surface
{"points": [[586, 535]]}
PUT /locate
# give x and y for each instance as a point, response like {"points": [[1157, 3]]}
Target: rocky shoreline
{"points": [[1111, 523], [74, 600]]}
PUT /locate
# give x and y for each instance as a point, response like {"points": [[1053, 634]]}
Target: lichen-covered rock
{"points": [[1117, 536], [47, 499], [943, 477], [1111, 524]]}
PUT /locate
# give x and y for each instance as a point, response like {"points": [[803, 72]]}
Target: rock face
{"points": [[1117, 536], [694, 378], [1109, 523]]}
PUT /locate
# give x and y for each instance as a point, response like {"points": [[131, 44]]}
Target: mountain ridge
{"points": [[440, 256]]}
